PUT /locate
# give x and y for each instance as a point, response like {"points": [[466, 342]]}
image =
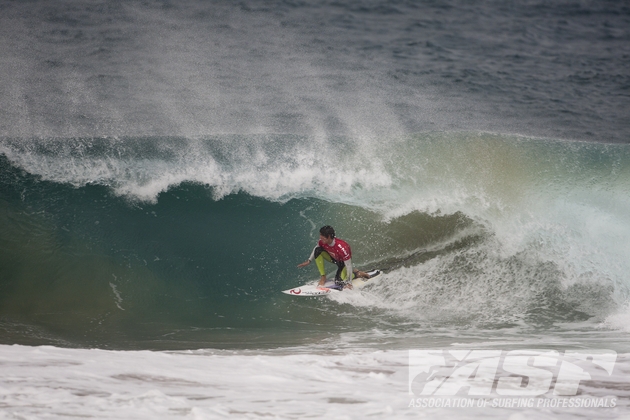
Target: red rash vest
{"points": [[339, 249]]}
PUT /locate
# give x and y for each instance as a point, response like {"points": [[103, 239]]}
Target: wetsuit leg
{"points": [[321, 255], [341, 272], [341, 278]]}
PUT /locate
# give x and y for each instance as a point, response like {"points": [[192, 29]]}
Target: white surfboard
{"points": [[313, 289]]}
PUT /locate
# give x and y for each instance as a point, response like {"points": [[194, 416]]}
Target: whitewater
{"points": [[164, 167]]}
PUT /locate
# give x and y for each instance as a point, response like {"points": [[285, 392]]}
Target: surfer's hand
{"points": [[304, 264]]}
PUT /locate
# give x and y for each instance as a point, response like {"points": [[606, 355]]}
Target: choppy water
{"points": [[165, 166], [191, 68]]}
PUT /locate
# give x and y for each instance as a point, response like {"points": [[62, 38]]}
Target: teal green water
{"points": [[474, 231], [81, 264]]}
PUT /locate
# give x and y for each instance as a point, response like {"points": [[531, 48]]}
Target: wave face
{"points": [[186, 242], [164, 166]]}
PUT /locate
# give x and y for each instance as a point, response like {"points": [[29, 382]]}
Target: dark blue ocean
{"points": [[552, 69], [165, 165]]}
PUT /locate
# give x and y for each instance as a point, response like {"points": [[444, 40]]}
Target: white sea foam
{"points": [[49, 382], [619, 320]]}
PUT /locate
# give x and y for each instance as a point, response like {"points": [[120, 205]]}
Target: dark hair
{"points": [[327, 231]]}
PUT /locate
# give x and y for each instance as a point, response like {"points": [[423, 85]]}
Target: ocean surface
{"points": [[164, 167]]}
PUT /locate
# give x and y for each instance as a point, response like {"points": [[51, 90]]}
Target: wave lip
{"points": [[277, 167]]}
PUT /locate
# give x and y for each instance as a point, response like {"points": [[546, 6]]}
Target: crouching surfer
{"points": [[338, 252]]}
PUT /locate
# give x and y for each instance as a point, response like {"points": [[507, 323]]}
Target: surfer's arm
{"points": [[310, 258]]}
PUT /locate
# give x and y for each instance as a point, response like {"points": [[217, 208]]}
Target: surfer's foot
{"points": [[348, 286], [362, 274], [322, 281]]}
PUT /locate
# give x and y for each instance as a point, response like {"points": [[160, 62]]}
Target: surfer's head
{"points": [[327, 232]]}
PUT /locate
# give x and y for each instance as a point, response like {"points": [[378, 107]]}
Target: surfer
{"points": [[338, 252]]}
